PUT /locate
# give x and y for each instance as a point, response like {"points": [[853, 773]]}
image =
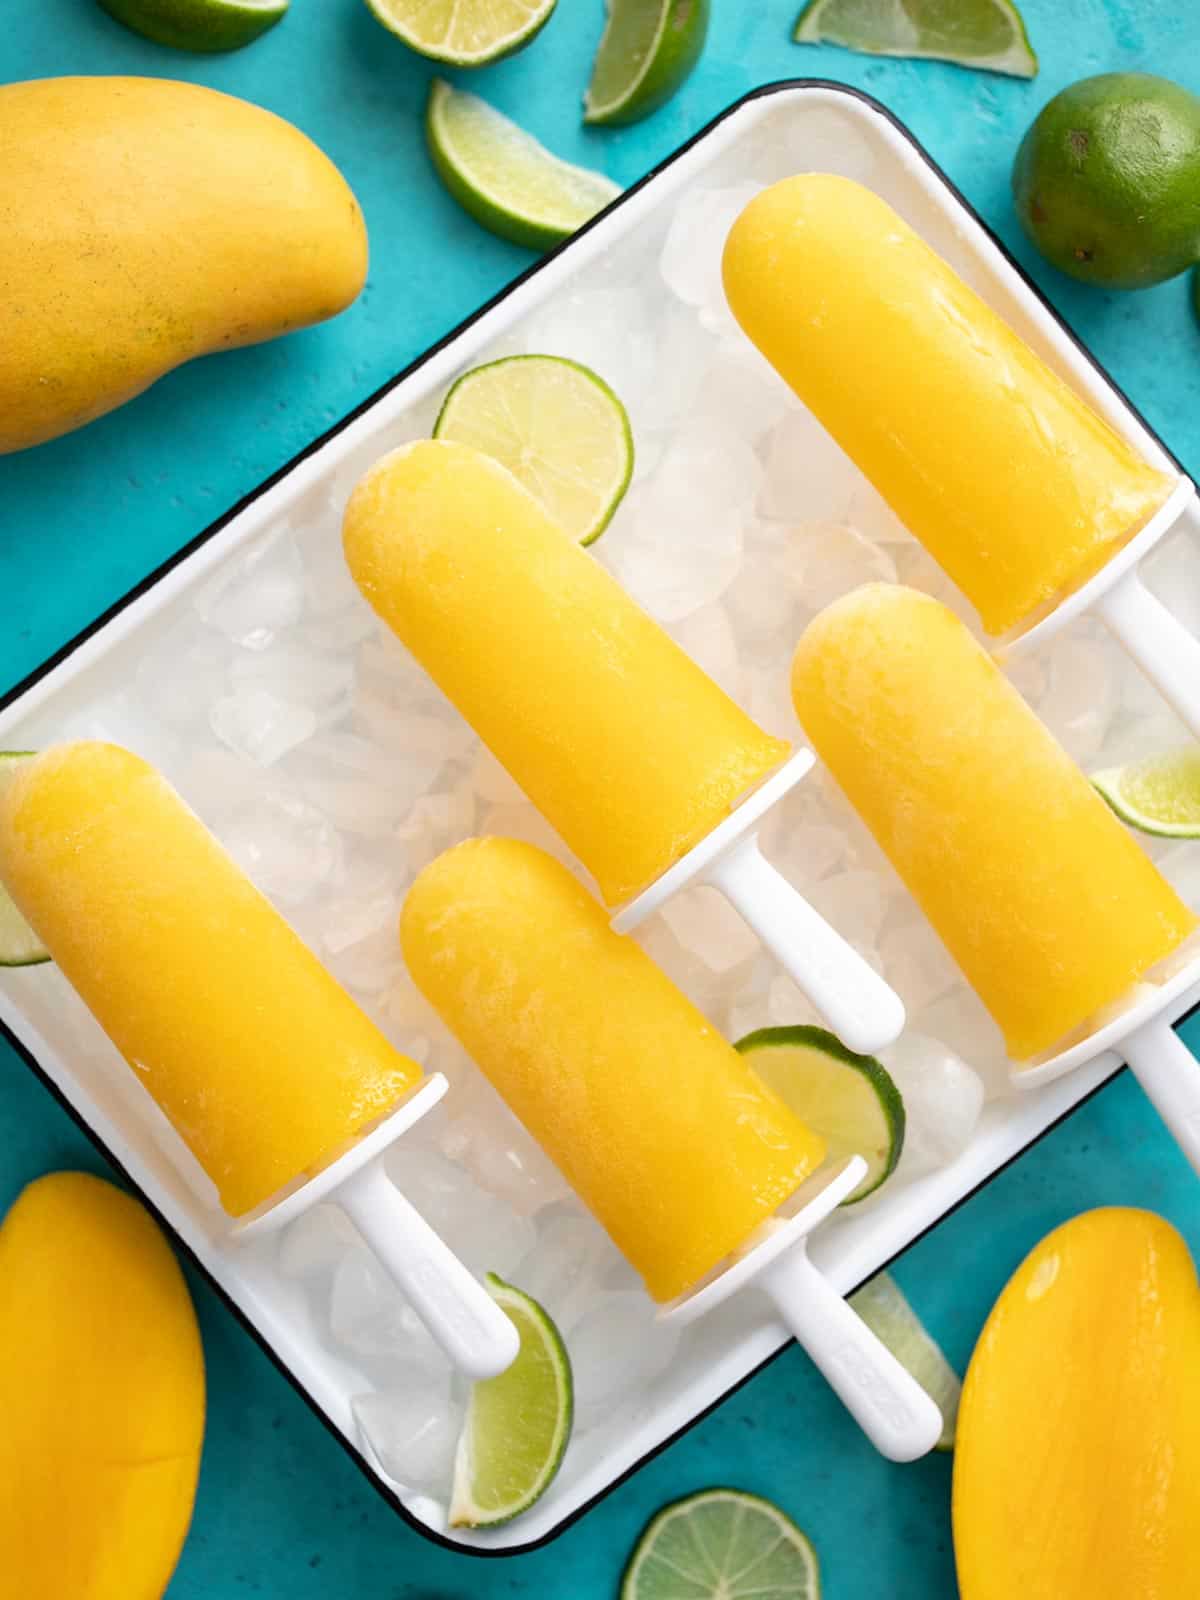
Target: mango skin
{"points": [[145, 222], [1077, 1462], [101, 1396]]}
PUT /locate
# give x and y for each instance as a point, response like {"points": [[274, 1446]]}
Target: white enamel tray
{"points": [[777, 131]]}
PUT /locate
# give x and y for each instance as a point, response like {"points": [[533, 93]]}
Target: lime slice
{"points": [[556, 426], [848, 1099], [647, 50], [19, 945], [988, 34], [722, 1544], [503, 177], [882, 1306], [1158, 795], [517, 1425], [464, 33], [198, 24]]}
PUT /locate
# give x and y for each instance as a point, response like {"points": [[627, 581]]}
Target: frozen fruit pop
{"points": [[1011, 482], [623, 743], [1045, 901], [660, 1126], [262, 1063]]}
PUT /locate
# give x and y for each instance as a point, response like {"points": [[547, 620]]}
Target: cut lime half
{"points": [[722, 1544], [19, 945], [517, 1425], [848, 1099], [503, 177], [464, 33], [985, 34], [647, 50], [201, 25], [556, 426], [882, 1306], [1158, 795]]}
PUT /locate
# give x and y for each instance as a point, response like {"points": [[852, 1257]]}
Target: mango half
{"points": [[1077, 1464], [101, 1397], [144, 222]]}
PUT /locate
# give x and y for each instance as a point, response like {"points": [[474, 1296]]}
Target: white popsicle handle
{"points": [[858, 1005], [1156, 639], [886, 1401], [1170, 1075], [456, 1308]]}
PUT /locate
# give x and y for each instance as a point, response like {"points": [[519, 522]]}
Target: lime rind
{"points": [[884, 1308], [19, 945], [204, 27], [493, 1483], [849, 1099], [889, 28], [503, 177], [647, 50], [1159, 795], [581, 481], [496, 29], [722, 1544]]}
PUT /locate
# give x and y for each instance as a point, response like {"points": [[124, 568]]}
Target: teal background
{"points": [[282, 1512]]}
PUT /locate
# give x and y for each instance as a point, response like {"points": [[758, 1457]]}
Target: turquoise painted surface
{"points": [[281, 1510]]}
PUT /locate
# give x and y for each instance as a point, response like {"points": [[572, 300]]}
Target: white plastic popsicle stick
{"points": [[1158, 642], [886, 1401], [851, 996], [1170, 1075]]}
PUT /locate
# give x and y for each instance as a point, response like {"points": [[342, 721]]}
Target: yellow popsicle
{"points": [[1011, 482], [659, 1125], [263, 1064], [622, 742], [1045, 901]]}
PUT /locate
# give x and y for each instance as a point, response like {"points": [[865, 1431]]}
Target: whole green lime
{"points": [[1107, 180]]}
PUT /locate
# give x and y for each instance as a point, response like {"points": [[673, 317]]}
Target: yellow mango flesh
{"points": [[1077, 1465], [1048, 905], [102, 1396], [658, 1124], [144, 222], [260, 1060], [622, 742], [1012, 483]]}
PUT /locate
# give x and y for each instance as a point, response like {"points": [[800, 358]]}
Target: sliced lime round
{"points": [[1158, 795], [722, 1544], [503, 177], [202, 25], [517, 1425], [848, 1099], [882, 1306], [647, 50], [556, 426], [464, 33], [987, 34], [19, 945]]}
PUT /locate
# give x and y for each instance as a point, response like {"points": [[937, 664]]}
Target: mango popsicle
{"points": [[659, 1125], [622, 742], [1045, 901], [263, 1064], [1012, 483]]}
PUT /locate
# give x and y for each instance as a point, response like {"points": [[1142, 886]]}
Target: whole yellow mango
{"points": [[144, 222], [1077, 1465], [101, 1397]]}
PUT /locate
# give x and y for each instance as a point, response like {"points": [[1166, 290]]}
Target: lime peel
{"points": [[646, 51], [882, 1305], [987, 35], [1158, 795], [200, 25], [464, 35], [722, 1544]]}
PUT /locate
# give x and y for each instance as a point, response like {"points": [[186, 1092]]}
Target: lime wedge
{"points": [[987, 34], [647, 50], [464, 33], [882, 1306], [503, 177], [200, 25], [722, 1544], [517, 1425], [848, 1099], [1158, 795], [556, 426], [19, 945]]}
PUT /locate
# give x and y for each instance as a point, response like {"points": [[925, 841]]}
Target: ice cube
{"points": [[1080, 695], [917, 964], [567, 1270], [805, 852], [707, 636], [317, 1242], [435, 823], [488, 1141], [413, 1429], [492, 782], [874, 518], [789, 1007], [255, 597], [363, 789], [942, 1097], [523, 822], [487, 1234], [618, 1349], [369, 1316], [960, 1021], [284, 845], [824, 560], [260, 726], [349, 920], [706, 924], [854, 902], [180, 678], [760, 606], [742, 392], [808, 477], [691, 257], [321, 683]]}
